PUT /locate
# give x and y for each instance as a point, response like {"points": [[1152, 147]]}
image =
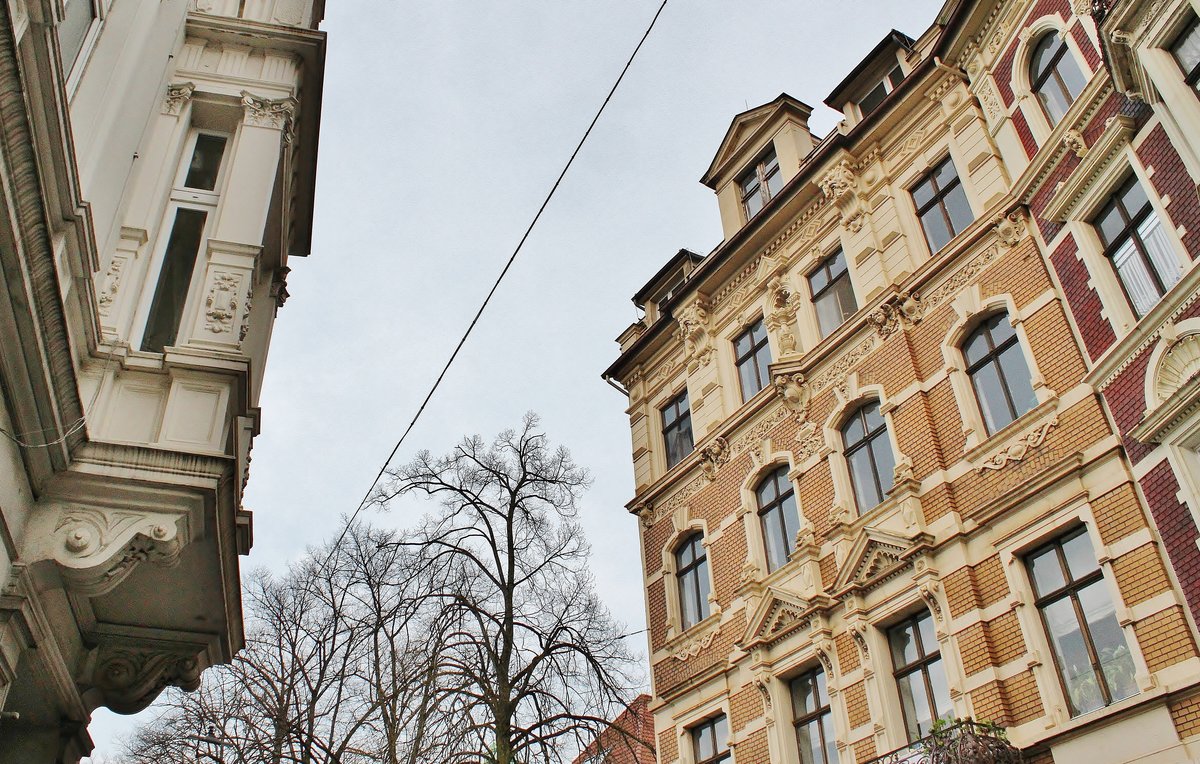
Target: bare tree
{"points": [[533, 656]]}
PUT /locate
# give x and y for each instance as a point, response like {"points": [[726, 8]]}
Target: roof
{"points": [[746, 126], [840, 94], [655, 282]]}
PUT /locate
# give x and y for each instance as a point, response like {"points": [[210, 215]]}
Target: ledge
{"points": [[1118, 131]]}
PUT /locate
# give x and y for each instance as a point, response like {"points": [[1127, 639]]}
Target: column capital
{"points": [[277, 113], [178, 94]]}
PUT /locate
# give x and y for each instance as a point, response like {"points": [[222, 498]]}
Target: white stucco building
{"points": [[157, 161]]}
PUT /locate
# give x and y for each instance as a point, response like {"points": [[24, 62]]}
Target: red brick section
{"points": [[1004, 66], [1126, 397], [1085, 305], [1171, 179], [629, 739], [1028, 142], [1090, 54], [1178, 530]]}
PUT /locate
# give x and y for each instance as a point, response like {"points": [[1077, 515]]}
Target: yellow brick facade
{"points": [[952, 540]]}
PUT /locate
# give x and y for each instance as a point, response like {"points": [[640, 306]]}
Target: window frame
{"points": [[762, 172], [697, 567], [828, 291], [992, 356], [820, 715], [667, 427], [711, 723], [938, 200], [1129, 232], [889, 86], [923, 661], [1069, 589], [752, 356], [869, 436], [1190, 78], [784, 489], [1036, 83]]}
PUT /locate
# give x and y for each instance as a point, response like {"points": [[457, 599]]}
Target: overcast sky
{"points": [[445, 123]]}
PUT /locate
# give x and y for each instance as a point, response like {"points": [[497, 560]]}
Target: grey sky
{"points": [[445, 122]]}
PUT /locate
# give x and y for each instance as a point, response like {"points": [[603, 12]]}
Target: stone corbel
{"points": [[794, 390], [783, 303], [178, 94], [840, 185], [712, 456], [127, 679], [96, 548], [901, 310], [694, 331], [278, 114]]}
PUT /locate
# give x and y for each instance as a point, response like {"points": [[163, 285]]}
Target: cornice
{"points": [[1117, 133], [1181, 407]]}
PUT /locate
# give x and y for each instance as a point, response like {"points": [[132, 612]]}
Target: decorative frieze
{"points": [[1020, 449]]}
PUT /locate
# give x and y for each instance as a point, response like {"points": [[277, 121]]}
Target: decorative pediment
{"points": [[1177, 366], [777, 615], [874, 557], [749, 127]]}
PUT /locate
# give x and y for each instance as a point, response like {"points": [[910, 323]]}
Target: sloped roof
{"points": [[747, 126]]}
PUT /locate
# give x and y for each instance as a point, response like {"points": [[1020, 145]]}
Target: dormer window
{"points": [[870, 102], [760, 183]]}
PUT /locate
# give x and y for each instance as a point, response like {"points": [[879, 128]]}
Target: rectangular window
{"points": [[78, 16], [832, 293], [753, 357], [812, 719], [760, 183], [1137, 246], [1186, 50], [205, 163], [677, 429], [174, 280], [920, 677], [710, 741], [942, 205], [1089, 647], [870, 102]]}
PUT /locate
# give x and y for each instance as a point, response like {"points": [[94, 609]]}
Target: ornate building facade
{"points": [[918, 440], [157, 161]]}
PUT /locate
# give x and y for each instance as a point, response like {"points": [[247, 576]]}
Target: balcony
{"points": [[959, 742]]}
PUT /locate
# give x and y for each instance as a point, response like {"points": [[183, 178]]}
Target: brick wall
{"points": [[1178, 530]]}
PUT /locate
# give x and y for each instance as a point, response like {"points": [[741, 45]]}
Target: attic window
{"points": [[871, 100], [760, 183]]}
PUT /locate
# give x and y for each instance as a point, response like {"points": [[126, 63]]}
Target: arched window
{"points": [[999, 374], [691, 572], [1054, 76], [778, 516], [868, 454]]}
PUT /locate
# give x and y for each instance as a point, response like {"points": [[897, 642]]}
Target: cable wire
{"points": [[496, 285]]}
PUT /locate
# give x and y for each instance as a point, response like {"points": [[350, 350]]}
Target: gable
{"points": [[875, 556], [748, 128], [777, 615]]}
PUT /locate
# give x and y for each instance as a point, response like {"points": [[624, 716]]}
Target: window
{"points": [[999, 374], [813, 719], [870, 102], [1089, 647], [1054, 77], [691, 570], [677, 429], [753, 354], [760, 183], [920, 678], [832, 293], [778, 516], [942, 205], [868, 455], [1137, 246], [186, 235], [78, 16], [710, 741], [1186, 50]]}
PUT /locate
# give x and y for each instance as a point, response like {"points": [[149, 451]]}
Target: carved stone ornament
{"points": [[784, 304], [1075, 142], [692, 647], [859, 633], [1020, 449], [96, 549], [177, 95], [840, 186], [129, 679], [693, 321], [244, 329], [824, 651], [712, 456], [279, 290], [221, 304], [1081, 8], [1011, 229], [266, 112], [903, 471], [928, 594], [112, 283], [795, 393], [902, 310], [762, 681], [1177, 366]]}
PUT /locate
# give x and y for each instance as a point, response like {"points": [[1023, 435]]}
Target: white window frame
{"points": [[839, 467], [1022, 87], [671, 581]]}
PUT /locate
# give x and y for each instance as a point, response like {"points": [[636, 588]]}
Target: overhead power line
{"points": [[496, 285]]}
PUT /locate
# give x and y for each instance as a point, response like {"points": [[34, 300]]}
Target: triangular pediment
{"points": [[779, 613], [750, 129], [875, 555]]}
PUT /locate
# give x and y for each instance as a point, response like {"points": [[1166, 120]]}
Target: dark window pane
{"points": [[863, 477], [928, 635], [990, 393], [870, 102], [944, 175], [915, 700], [818, 279], [1071, 654], [1081, 559], [774, 539], [923, 194], [754, 203], [958, 209], [1186, 49], [1017, 378], [873, 416], [1108, 641], [941, 690], [895, 76], [1000, 328], [1047, 572], [903, 642], [885, 463], [206, 161], [774, 183], [1071, 75], [1043, 56], [179, 260], [78, 16], [936, 231]]}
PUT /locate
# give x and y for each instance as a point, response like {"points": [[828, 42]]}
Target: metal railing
{"points": [[960, 742]]}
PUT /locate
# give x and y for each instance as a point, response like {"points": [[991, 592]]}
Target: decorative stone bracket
{"points": [[695, 331], [128, 679], [840, 185], [96, 548], [901, 310]]}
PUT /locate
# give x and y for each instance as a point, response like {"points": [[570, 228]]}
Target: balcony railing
{"points": [[960, 742]]}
